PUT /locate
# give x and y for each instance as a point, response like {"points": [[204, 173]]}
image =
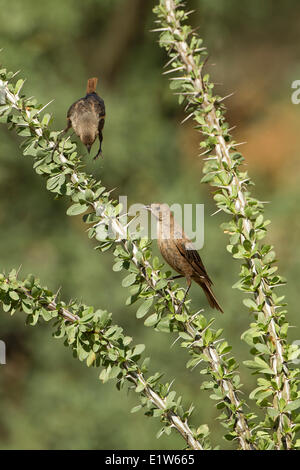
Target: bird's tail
{"points": [[91, 85], [209, 295]]}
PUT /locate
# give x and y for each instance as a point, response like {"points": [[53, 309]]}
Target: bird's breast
{"points": [[85, 124], [173, 257]]}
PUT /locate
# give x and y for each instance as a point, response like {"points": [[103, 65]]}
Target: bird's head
{"points": [[160, 211], [88, 138]]}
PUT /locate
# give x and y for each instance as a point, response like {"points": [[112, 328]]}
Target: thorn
{"points": [[225, 97], [196, 314], [187, 118], [196, 365], [111, 190], [181, 78], [174, 342], [21, 86], [19, 268], [157, 30], [173, 70], [204, 153], [171, 60], [245, 180], [130, 222], [219, 340], [205, 62], [123, 215], [194, 93], [190, 12], [170, 385], [16, 73], [195, 30], [211, 158], [56, 295], [232, 128], [215, 213], [238, 145], [45, 106]]}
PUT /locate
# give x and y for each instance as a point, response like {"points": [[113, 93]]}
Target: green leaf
{"points": [[136, 408], [170, 399], [129, 280], [77, 209], [89, 195], [104, 375], [114, 372], [19, 85], [13, 295], [101, 233], [138, 350], [55, 182], [91, 358], [269, 258], [144, 308], [140, 387], [152, 320], [46, 119], [262, 348], [294, 405], [118, 266], [250, 304], [207, 178]]}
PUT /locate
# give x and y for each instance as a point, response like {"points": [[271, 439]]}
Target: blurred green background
{"points": [[49, 400]]}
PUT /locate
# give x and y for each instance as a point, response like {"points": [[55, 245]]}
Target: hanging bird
{"points": [[87, 117], [180, 253]]}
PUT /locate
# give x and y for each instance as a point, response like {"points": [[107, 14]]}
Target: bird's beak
{"points": [[148, 207], [88, 148]]}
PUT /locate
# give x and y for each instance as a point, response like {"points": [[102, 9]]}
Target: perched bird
{"points": [[180, 253], [87, 116]]}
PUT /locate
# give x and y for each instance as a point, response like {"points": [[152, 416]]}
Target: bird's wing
{"points": [[97, 104], [71, 110], [77, 104], [193, 257]]}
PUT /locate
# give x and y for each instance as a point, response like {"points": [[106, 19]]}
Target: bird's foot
{"points": [[179, 310], [54, 149], [182, 303], [99, 154], [174, 277]]}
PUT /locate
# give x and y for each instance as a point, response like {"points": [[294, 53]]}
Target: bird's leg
{"points": [[100, 148], [175, 277], [189, 283], [69, 125]]}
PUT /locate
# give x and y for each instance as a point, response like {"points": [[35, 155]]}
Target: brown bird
{"points": [[87, 117], [180, 253]]}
